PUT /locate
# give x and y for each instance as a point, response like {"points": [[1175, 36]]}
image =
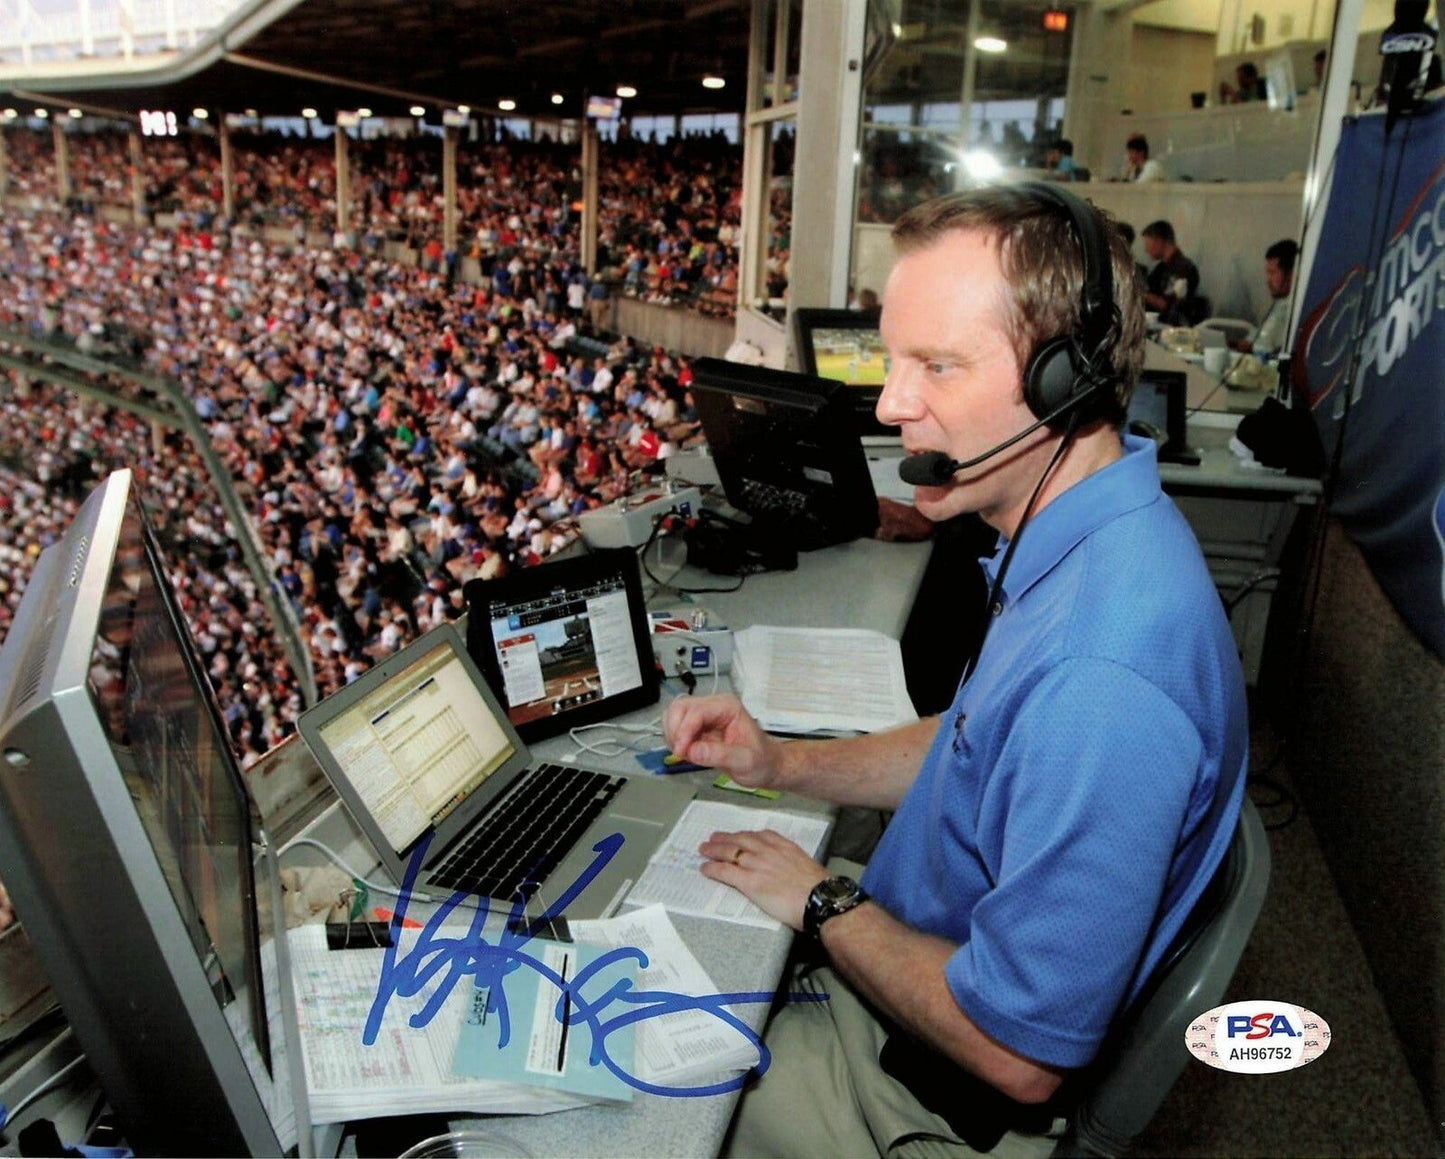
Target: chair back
{"points": [[1145, 1052]]}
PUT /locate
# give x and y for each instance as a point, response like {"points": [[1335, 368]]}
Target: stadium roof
{"points": [[278, 56]]}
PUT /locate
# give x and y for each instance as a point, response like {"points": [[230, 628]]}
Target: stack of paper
{"points": [[801, 680], [408, 1069], [673, 877], [683, 1048]]}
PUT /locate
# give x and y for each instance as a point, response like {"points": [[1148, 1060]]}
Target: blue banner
{"points": [[1390, 491]]}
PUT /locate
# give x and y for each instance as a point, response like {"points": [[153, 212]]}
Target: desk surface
{"points": [[864, 584]]}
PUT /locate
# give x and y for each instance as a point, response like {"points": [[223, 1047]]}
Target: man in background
{"points": [[1173, 283], [1279, 262], [1139, 166]]}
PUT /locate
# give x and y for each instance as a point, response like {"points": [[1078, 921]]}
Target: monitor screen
{"points": [[846, 347], [565, 643], [127, 844], [604, 108], [787, 452]]}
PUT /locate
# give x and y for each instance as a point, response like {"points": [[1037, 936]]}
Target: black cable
{"points": [[997, 585], [1282, 796], [1248, 586], [652, 538]]}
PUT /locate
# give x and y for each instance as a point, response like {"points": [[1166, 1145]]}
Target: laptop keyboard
{"points": [[524, 838]]}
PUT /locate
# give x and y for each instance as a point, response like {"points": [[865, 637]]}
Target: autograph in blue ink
{"points": [[488, 964]]}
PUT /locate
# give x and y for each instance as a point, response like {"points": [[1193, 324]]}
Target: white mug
{"points": [[1215, 359]]}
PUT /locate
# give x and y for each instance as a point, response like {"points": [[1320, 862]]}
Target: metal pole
{"points": [[343, 182], [228, 172], [449, 189]]}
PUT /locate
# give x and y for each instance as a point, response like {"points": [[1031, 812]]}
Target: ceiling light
{"points": [[418, 111], [981, 164], [252, 113], [200, 114], [626, 91], [506, 104], [990, 44], [464, 109], [713, 82], [42, 113], [76, 114], [309, 113], [558, 98], [363, 112], [11, 114]]}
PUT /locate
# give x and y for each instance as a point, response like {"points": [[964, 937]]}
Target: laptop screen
{"points": [[418, 744]]}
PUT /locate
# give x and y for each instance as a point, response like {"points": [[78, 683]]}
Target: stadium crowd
{"points": [[393, 432], [668, 218]]}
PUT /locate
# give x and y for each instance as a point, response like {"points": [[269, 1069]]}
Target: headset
{"points": [[1066, 372], [1068, 379]]}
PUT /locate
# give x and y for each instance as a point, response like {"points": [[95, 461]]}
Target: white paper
{"points": [[814, 679], [673, 877], [674, 1049]]}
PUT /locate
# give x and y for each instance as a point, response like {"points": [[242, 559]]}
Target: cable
{"points": [[42, 1090], [1282, 796], [1262, 576], [657, 526], [712, 669], [619, 748], [375, 887]]}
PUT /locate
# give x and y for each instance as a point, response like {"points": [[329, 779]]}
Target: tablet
{"points": [[565, 643]]}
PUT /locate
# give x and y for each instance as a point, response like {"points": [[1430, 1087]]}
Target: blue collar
{"points": [[1124, 485]]}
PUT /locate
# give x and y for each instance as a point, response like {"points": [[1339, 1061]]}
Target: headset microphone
{"points": [[934, 468]]}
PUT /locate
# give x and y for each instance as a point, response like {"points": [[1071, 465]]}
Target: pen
{"points": [[566, 1019]]}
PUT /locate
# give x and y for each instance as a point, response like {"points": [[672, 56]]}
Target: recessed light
{"points": [[363, 112], [713, 82], [506, 105], [42, 113], [558, 98], [464, 109], [309, 113], [990, 44], [200, 114], [252, 113], [76, 114], [626, 91], [418, 111]]}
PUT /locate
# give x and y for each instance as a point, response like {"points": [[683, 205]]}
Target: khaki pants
{"points": [[824, 1095]]}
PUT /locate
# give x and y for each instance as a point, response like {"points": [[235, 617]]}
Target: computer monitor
{"points": [[126, 842], [787, 452], [846, 346]]}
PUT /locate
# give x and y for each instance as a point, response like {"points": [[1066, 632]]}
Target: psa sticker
{"points": [[1258, 1037]]}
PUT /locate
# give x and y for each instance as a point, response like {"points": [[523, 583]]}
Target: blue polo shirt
{"points": [[1086, 780]]}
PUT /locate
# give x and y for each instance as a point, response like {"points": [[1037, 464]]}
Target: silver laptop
{"points": [[420, 751]]}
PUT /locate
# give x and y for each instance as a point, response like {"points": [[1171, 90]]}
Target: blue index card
{"points": [[524, 1005]]}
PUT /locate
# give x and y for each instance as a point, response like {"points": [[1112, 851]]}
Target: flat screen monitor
{"points": [[126, 841], [846, 346], [787, 452], [604, 108]]}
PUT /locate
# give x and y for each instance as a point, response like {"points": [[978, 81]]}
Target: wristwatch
{"points": [[830, 897]]}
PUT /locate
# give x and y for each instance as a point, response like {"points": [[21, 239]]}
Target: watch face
{"points": [[837, 889]]}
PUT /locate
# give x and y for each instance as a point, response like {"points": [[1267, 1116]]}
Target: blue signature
{"points": [[487, 964]]}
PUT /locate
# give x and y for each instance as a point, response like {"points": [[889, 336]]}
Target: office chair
{"points": [[1145, 1052], [1234, 329]]}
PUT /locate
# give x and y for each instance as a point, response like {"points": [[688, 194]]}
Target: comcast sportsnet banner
{"points": [[1390, 495]]}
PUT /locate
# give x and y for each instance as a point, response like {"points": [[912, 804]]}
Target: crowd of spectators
{"points": [[393, 432], [55, 447], [669, 214]]}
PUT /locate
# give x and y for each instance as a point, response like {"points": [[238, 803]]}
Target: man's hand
{"points": [[901, 522], [717, 731], [771, 871]]}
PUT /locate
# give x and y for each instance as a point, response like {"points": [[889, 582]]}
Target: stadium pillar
{"points": [[137, 178], [829, 101], [590, 154], [62, 161], [449, 189], [343, 182], [4, 168], [228, 171]]}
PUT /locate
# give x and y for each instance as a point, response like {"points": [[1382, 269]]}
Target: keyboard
{"points": [[522, 840]]}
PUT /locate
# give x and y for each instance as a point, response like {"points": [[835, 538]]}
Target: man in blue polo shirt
{"points": [[1055, 826]]}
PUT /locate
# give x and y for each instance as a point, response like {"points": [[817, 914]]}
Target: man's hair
{"points": [[1248, 69], [1139, 143], [1127, 231], [1160, 229], [1283, 252], [1043, 264], [1064, 146]]}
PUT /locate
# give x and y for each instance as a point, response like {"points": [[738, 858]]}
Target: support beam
{"points": [[4, 168], [449, 188], [62, 160], [228, 171], [970, 73], [343, 182], [591, 154], [137, 178]]}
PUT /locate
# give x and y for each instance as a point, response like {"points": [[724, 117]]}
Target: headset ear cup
{"points": [[1053, 375]]}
